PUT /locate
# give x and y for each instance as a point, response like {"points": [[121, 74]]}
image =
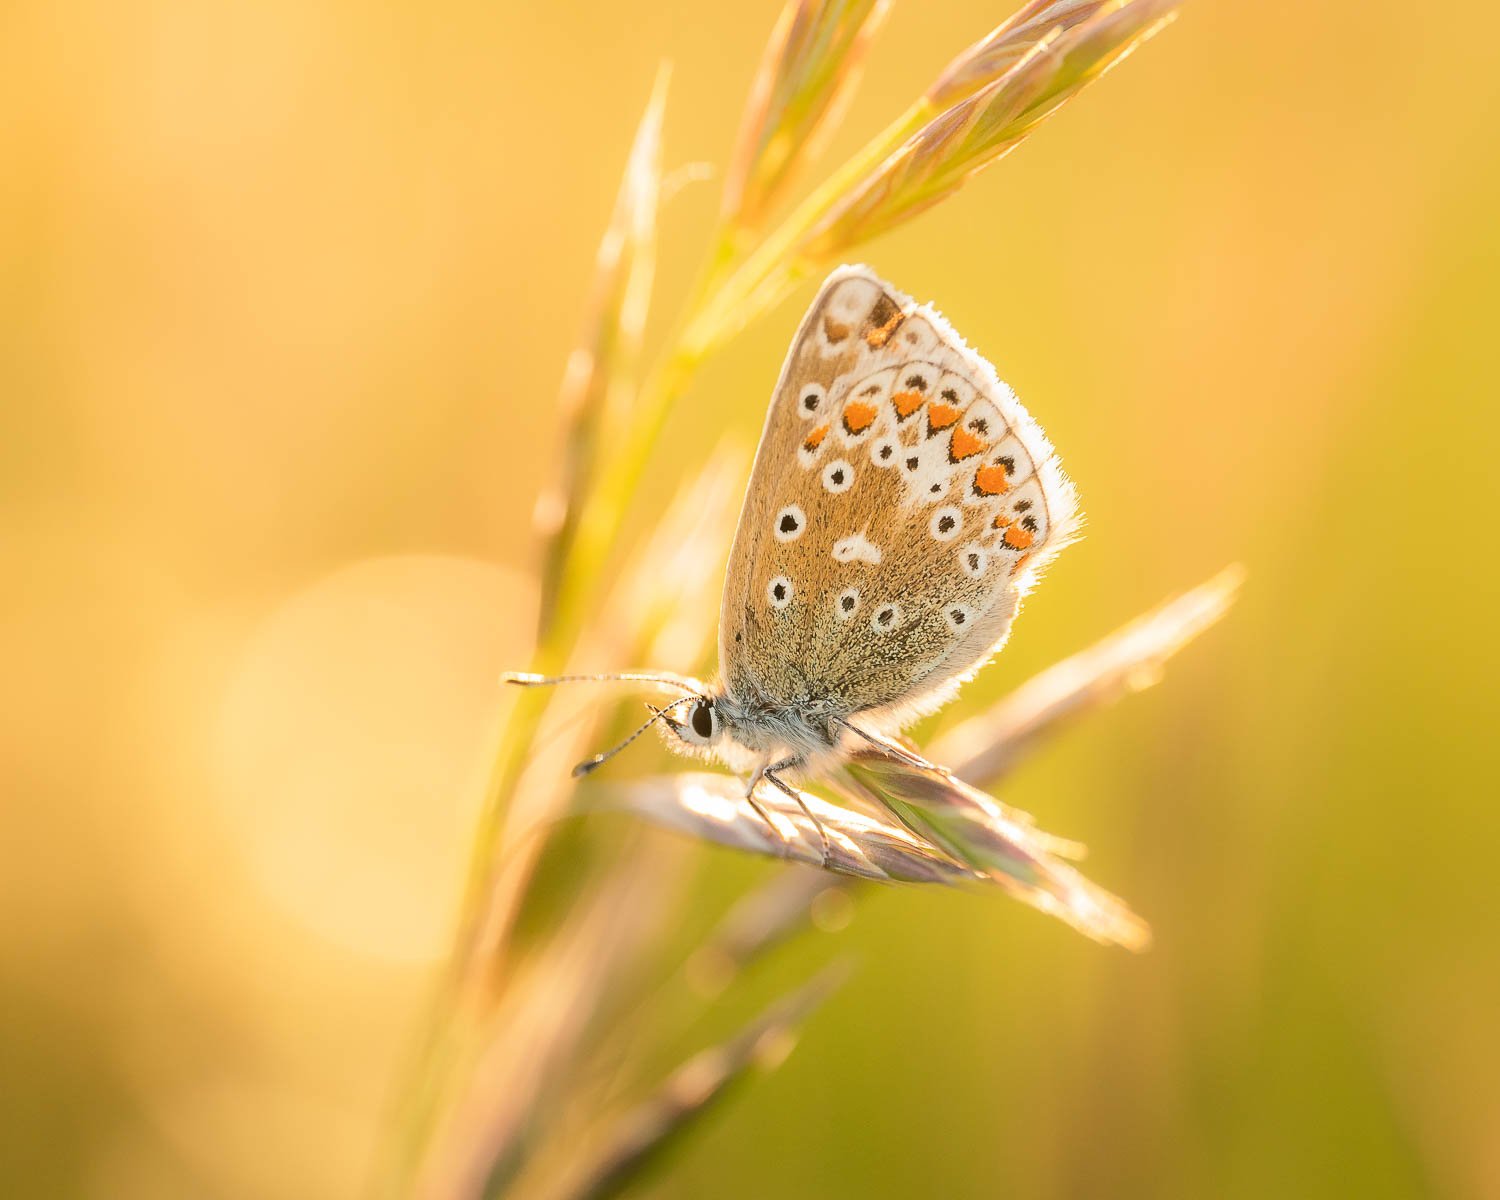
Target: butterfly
{"points": [[901, 505]]}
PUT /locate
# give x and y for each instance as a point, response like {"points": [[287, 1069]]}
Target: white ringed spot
{"points": [[946, 523], [780, 592], [810, 400], [886, 452], [845, 604], [959, 617], [790, 522], [838, 476], [856, 548], [887, 617]]}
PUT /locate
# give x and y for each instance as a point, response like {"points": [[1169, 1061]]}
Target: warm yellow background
{"points": [[287, 289]]}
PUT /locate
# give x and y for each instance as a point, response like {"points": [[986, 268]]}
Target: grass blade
{"points": [[1000, 843], [1128, 660], [521, 1055], [601, 375], [651, 624], [676, 625], [642, 1136], [787, 903]]}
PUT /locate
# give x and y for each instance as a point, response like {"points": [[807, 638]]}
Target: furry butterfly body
{"points": [[901, 504]]}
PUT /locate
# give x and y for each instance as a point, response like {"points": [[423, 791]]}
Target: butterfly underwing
{"points": [[901, 505]]}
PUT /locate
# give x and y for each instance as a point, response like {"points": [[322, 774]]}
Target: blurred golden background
{"points": [[288, 289]]}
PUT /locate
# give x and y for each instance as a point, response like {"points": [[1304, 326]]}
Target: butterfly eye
{"points": [[703, 719]]}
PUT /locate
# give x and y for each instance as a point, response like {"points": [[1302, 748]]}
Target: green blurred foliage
{"points": [[289, 288]]}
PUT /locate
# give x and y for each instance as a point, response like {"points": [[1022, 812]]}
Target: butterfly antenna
{"points": [[527, 679], [657, 714]]}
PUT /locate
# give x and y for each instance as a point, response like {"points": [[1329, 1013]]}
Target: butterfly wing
{"points": [[901, 504]]}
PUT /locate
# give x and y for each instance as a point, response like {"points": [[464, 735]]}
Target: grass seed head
{"points": [[1040, 68], [809, 71]]}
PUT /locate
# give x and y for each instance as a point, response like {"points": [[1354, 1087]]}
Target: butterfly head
{"points": [[700, 723], [715, 724], [696, 718]]}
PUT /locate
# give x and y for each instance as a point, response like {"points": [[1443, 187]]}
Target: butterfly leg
{"points": [[890, 746], [760, 811], [769, 773]]}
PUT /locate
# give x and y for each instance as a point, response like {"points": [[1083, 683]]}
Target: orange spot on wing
{"points": [[1004, 521], [966, 444], [858, 415], [815, 438], [879, 337], [989, 481], [835, 331], [906, 403], [940, 415], [1017, 538], [885, 319]]}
